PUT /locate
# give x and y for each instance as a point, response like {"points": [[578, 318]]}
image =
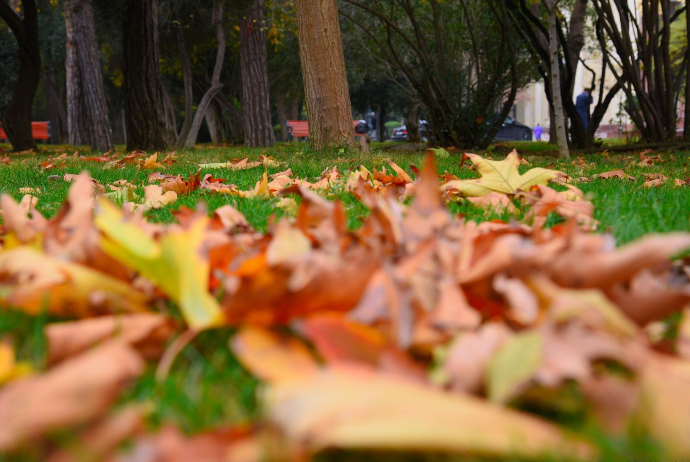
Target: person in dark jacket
{"points": [[582, 103]]}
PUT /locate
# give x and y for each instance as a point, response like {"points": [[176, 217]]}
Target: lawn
{"points": [[206, 386], [625, 208]]}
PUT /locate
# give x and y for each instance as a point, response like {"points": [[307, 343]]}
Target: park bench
{"points": [[40, 131], [300, 128]]}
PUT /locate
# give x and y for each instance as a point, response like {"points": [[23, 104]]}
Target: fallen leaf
{"points": [[500, 176], [146, 332], [354, 408], [272, 356], [73, 393], [174, 263]]}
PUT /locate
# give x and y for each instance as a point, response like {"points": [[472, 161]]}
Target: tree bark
{"points": [[412, 123], [323, 68], [87, 110], [282, 116], [188, 91], [256, 109], [215, 129], [561, 138], [215, 79], [145, 116], [686, 124], [295, 105], [16, 120], [57, 115]]}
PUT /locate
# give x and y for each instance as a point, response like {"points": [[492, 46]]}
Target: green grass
{"points": [[206, 386], [625, 208]]}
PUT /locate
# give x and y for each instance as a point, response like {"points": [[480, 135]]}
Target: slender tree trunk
{"points": [[57, 116], [412, 123], [295, 109], [146, 124], [686, 124], [119, 130], [282, 116], [87, 108], [215, 128], [188, 91], [561, 138], [215, 79], [75, 131], [16, 120], [256, 109], [323, 68]]}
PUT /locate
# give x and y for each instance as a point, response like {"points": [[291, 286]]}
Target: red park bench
{"points": [[40, 131], [300, 128]]}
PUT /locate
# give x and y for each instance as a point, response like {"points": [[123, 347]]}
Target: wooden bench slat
{"points": [[39, 130], [300, 128]]}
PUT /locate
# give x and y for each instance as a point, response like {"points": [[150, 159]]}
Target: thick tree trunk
{"points": [[412, 123], [256, 109], [146, 124], [215, 129], [215, 79], [282, 116], [323, 68], [561, 138], [16, 120], [87, 110]]}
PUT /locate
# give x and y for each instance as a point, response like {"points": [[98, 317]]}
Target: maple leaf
{"points": [[174, 263], [151, 162], [500, 176]]}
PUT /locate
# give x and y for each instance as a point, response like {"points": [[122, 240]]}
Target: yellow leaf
{"points": [[356, 408], [500, 176], [10, 369], [174, 263], [513, 365], [151, 162]]}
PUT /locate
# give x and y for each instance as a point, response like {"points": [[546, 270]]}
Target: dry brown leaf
{"points": [[354, 408], [614, 174], [146, 332], [73, 393]]}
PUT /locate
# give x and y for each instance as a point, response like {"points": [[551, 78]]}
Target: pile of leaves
{"points": [[419, 331]]}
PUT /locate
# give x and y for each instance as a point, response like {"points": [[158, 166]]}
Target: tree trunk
{"points": [[323, 68], [188, 91], [146, 124], [16, 120], [87, 110], [256, 109], [215, 79], [412, 123], [215, 128], [295, 109], [282, 116], [57, 116], [686, 124], [561, 138]]}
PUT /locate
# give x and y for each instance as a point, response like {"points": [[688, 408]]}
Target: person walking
{"points": [[582, 103], [537, 132]]}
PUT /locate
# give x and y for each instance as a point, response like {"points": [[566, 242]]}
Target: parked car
{"points": [[511, 130], [400, 133]]}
